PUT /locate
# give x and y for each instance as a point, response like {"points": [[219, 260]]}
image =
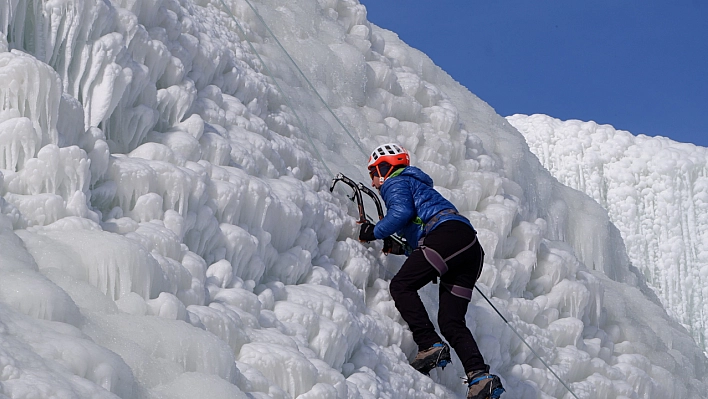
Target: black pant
{"points": [[464, 269]]}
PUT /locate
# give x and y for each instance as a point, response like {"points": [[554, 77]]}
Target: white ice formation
{"points": [[656, 193], [167, 230]]}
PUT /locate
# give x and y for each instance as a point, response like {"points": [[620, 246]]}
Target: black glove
{"points": [[366, 233], [392, 246]]}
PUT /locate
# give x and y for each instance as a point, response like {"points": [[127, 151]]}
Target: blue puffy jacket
{"points": [[408, 195]]}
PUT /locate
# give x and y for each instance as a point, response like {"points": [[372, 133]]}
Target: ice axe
{"points": [[357, 195], [358, 188]]}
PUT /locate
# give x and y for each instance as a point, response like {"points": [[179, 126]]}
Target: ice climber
{"points": [[444, 245]]}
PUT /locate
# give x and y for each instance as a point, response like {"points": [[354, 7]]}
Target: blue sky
{"points": [[640, 66]]}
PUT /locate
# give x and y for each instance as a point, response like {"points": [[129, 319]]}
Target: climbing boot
{"points": [[437, 355], [483, 385]]}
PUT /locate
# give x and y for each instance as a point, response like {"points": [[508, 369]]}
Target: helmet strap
{"points": [[383, 178], [390, 170]]}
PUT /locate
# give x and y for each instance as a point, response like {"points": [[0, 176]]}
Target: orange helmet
{"points": [[392, 154]]}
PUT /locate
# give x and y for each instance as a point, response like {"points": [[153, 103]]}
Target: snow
{"points": [[167, 229]]}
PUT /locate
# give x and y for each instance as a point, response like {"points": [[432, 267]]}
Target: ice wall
{"points": [[167, 229], [655, 191]]}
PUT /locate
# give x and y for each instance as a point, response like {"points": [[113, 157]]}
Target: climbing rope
{"points": [[305, 77], [526, 343], [275, 81]]}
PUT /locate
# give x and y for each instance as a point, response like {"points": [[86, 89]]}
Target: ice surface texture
{"points": [[167, 229], [655, 191]]}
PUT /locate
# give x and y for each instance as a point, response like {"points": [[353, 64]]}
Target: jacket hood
{"points": [[417, 174]]}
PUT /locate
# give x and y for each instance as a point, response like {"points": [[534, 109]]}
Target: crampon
{"points": [[483, 385]]}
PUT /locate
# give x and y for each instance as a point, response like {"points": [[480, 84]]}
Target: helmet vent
{"points": [[391, 153]]}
